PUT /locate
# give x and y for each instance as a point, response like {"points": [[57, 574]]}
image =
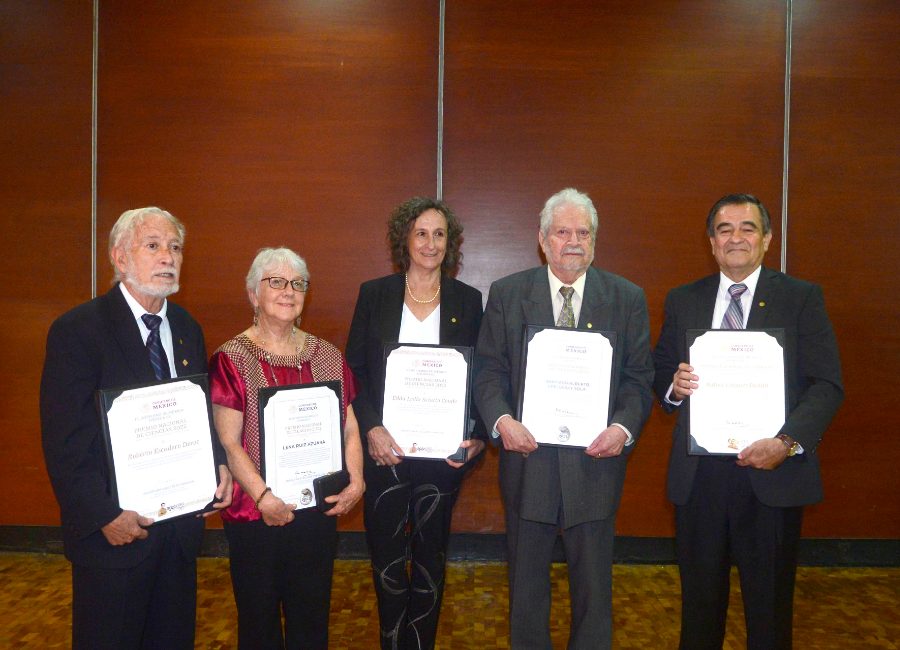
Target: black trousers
{"points": [[408, 511], [283, 571], [724, 522], [150, 606]]}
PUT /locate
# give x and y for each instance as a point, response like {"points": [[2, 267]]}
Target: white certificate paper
{"points": [[425, 399], [565, 400], [160, 442], [741, 392], [301, 440]]}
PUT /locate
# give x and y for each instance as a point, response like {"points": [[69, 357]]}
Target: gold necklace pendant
{"points": [[421, 302]]}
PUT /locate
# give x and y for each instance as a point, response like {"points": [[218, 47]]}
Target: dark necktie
{"points": [[734, 315], [155, 350], [566, 314]]}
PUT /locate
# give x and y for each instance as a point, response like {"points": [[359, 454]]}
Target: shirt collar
{"points": [[751, 282], [556, 283], [136, 307]]}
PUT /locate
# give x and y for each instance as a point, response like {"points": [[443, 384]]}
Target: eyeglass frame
{"points": [[304, 284]]}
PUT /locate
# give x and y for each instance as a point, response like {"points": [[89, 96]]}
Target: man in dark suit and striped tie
{"points": [[133, 584], [746, 509]]}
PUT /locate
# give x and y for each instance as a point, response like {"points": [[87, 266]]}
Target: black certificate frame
{"points": [[528, 333], [105, 400], [468, 353], [691, 335], [264, 395]]}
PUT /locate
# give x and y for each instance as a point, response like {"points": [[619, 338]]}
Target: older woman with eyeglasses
{"points": [[281, 558]]}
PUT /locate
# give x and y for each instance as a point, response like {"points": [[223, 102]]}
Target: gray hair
{"points": [[122, 233], [568, 196], [269, 258]]}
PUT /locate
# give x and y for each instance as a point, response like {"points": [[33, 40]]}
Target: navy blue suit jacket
{"points": [[98, 345], [813, 367]]}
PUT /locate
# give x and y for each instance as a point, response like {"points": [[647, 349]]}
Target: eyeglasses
{"points": [[277, 283]]}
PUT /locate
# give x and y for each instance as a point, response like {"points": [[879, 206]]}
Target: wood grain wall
{"points": [[304, 123]]}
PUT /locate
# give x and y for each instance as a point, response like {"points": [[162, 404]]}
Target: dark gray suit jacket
{"points": [[814, 386], [587, 489], [98, 345]]}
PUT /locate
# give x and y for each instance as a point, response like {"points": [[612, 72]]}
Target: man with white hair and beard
{"points": [[133, 584], [549, 489]]}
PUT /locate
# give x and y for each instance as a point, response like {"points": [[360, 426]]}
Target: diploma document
{"points": [[426, 398], [300, 438], [741, 396], [564, 398], [159, 446]]}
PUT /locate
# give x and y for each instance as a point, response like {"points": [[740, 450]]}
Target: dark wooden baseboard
{"points": [[491, 547]]}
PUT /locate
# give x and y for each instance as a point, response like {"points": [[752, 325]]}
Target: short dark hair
{"points": [[738, 199], [401, 221]]}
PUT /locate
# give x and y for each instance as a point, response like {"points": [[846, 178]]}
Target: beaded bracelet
{"points": [[260, 498]]}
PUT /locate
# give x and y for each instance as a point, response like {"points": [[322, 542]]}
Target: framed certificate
{"points": [[300, 438], [742, 393], [426, 399], [565, 391], [159, 444]]}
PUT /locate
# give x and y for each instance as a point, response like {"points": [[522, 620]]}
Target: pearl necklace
{"points": [[421, 302]]}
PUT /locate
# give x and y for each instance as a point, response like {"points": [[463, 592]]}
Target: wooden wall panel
{"points": [[269, 123], [656, 109], [844, 229], [304, 123], [45, 188]]}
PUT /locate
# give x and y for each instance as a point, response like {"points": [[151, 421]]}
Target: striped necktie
{"points": [[566, 314], [155, 350], [734, 315]]}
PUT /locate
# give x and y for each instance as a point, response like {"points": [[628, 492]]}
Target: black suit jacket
{"points": [[98, 345], [589, 488], [376, 321], [814, 386]]}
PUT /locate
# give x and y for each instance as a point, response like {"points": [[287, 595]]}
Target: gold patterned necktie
{"points": [[566, 314]]}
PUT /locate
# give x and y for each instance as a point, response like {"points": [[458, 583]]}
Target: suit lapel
{"points": [[128, 336], [391, 308], [537, 308], [451, 312], [182, 345], [764, 297], [705, 304], [595, 302]]}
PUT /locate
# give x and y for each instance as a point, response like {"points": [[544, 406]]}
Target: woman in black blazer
{"points": [[409, 503]]}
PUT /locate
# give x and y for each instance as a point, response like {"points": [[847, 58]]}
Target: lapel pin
{"points": [[762, 303], [453, 319], [184, 362], [180, 341]]}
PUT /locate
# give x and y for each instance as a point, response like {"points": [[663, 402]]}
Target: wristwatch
{"points": [[792, 445]]}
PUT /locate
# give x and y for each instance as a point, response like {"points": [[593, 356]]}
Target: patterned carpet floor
{"points": [[835, 608]]}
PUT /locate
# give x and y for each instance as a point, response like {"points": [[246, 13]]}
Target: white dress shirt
{"points": [[165, 332]]}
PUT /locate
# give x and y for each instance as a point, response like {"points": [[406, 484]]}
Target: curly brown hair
{"points": [[401, 221]]}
